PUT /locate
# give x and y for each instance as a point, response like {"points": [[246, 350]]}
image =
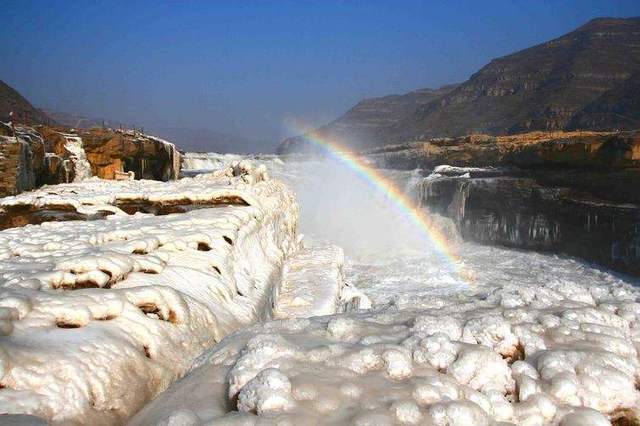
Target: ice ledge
{"points": [[313, 284], [97, 317]]}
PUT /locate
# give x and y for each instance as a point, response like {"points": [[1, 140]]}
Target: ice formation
{"points": [[78, 157], [98, 317], [556, 354]]}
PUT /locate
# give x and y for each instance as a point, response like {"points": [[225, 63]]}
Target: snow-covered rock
{"points": [[313, 284], [98, 317]]}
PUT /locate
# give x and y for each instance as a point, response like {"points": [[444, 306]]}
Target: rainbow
{"points": [[404, 204]]}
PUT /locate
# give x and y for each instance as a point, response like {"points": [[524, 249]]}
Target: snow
{"points": [[295, 297], [98, 317], [553, 355], [227, 316], [78, 156]]}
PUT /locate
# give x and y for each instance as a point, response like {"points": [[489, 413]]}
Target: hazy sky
{"points": [[248, 67]]}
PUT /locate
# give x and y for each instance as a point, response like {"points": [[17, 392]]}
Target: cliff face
{"points": [[586, 79], [110, 152], [21, 161], [46, 155], [572, 193]]}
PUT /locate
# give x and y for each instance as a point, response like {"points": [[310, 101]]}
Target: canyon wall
{"points": [[574, 193], [45, 155]]}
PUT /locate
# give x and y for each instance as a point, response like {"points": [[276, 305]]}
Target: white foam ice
{"points": [[98, 317], [531, 339]]}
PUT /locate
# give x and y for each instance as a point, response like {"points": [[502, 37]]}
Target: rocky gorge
{"points": [[576, 193]]}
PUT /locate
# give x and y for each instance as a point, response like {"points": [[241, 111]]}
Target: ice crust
{"points": [[98, 317], [550, 355], [555, 351]]}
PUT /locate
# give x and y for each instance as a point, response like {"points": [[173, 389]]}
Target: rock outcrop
{"points": [[110, 151], [49, 155], [586, 79], [571, 193], [22, 160]]}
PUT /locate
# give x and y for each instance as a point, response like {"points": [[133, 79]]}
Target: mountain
{"points": [[80, 122], [23, 111], [584, 79], [373, 119], [618, 108], [187, 139]]}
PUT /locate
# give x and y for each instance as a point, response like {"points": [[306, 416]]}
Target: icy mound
{"points": [[556, 354], [98, 317], [313, 284]]}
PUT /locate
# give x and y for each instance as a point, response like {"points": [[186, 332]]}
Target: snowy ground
{"points": [[97, 317], [531, 339], [491, 354]]}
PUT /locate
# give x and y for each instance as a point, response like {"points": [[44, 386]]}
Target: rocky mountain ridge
{"points": [[586, 79]]}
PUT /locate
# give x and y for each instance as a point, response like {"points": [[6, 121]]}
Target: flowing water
{"points": [[387, 256]]}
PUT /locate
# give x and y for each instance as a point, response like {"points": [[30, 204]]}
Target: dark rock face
{"points": [[522, 213], [586, 79], [576, 195]]}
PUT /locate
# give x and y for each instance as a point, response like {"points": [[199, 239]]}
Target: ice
{"points": [[78, 157], [531, 339], [467, 360], [98, 317], [262, 326]]}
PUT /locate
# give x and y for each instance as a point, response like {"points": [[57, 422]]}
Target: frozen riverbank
{"points": [[531, 339], [98, 317], [554, 354]]}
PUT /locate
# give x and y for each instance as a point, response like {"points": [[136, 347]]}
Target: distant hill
{"points": [[80, 122], [586, 79], [374, 118], [206, 140], [186, 139], [23, 111]]}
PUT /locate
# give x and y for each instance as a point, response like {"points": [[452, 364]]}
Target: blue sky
{"points": [[246, 67]]}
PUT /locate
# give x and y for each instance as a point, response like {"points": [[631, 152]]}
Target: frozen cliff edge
{"points": [[493, 355], [97, 317]]}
